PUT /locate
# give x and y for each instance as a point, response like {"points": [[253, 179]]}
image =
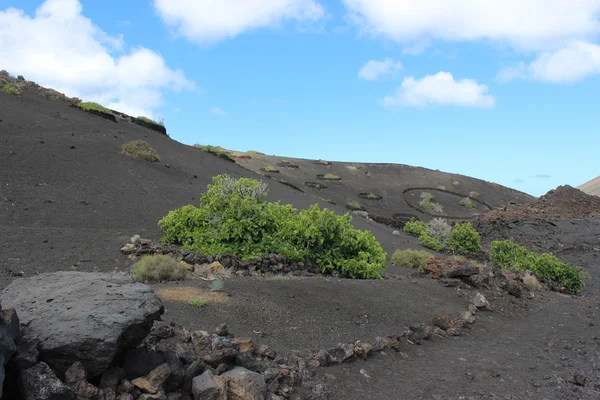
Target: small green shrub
{"points": [[217, 285], [215, 151], [234, 218], [198, 302], [473, 194], [140, 150], [427, 240], [426, 196], [411, 258], [151, 121], [156, 268], [467, 202], [331, 177], [509, 255], [255, 152], [270, 168], [329, 201], [430, 207], [88, 105], [464, 238], [353, 205], [11, 90], [372, 196], [415, 228]]}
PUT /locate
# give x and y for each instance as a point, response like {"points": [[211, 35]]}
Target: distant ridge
{"points": [[592, 187]]}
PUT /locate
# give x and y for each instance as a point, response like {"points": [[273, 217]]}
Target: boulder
{"points": [[238, 383], [154, 380], [79, 316], [40, 383]]}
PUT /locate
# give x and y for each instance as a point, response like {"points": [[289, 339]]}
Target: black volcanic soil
{"points": [[69, 200]]}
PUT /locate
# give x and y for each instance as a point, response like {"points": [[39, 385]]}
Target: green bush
{"points": [[429, 241], [11, 90], [332, 177], [467, 202], [88, 105], [415, 228], [140, 150], [233, 218], [464, 238], [372, 196], [411, 258], [426, 196], [198, 302], [215, 151], [270, 168], [509, 255], [353, 205], [156, 268], [217, 285], [430, 207]]}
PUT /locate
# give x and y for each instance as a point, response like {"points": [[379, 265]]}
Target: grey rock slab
{"points": [[79, 316]]}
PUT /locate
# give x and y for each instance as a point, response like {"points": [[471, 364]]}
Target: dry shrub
{"points": [[186, 294], [157, 268], [439, 229], [140, 150], [411, 258]]}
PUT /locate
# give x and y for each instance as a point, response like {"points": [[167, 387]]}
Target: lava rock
{"points": [[90, 319], [40, 383]]}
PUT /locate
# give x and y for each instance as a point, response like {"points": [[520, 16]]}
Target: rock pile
{"points": [[273, 264]]}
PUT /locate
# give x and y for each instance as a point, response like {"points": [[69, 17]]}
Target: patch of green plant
{"points": [[332, 177], [467, 202], [430, 207], [353, 205], [270, 168], [415, 227], [11, 90], [151, 121], [426, 196], [234, 218], [255, 152], [157, 268], [215, 151], [411, 258], [509, 255], [372, 196], [322, 162], [429, 241], [198, 302], [140, 150], [464, 238], [217, 285], [88, 105]]}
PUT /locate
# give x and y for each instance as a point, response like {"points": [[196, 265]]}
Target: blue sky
{"points": [[477, 88]]}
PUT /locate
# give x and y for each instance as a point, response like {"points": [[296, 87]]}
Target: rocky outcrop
{"points": [[75, 316], [9, 333]]}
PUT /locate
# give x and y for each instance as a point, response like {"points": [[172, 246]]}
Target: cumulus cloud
{"points": [[440, 89], [59, 47], [529, 25], [218, 111], [373, 70], [208, 21], [573, 62]]}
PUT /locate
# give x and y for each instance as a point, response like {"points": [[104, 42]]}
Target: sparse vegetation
{"points": [[322, 162], [331, 177], [329, 201], [88, 105], [428, 205], [270, 168], [234, 218], [440, 230], [140, 150], [353, 205], [464, 238], [255, 152], [372, 196], [217, 285], [11, 90], [473, 194], [509, 255], [411, 258], [215, 151], [157, 268], [151, 121], [467, 202], [198, 302]]}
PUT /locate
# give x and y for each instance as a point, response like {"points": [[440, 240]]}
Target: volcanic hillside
{"points": [[591, 187]]}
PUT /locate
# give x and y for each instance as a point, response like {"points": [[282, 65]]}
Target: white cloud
{"points": [[440, 89], [208, 21], [218, 111], [374, 70], [60, 48], [571, 63], [535, 25]]}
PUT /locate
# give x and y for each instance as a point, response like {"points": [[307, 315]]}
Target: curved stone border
{"points": [[355, 209], [291, 185], [315, 185], [366, 196], [270, 172], [443, 191], [286, 164], [155, 127]]}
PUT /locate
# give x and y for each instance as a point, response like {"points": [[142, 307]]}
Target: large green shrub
{"points": [[411, 258], [233, 218], [464, 238], [509, 255], [11, 90], [414, 227]]}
